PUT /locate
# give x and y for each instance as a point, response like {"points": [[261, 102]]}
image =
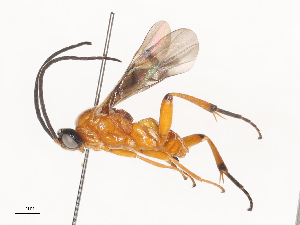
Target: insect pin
{"points": [[105, 128]]}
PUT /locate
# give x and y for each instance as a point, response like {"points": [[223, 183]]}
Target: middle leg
{"points": [[164, 156], [132, 154]]}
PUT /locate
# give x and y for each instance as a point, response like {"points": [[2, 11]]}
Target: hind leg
{"points": [[197, 138], [214, 109]]}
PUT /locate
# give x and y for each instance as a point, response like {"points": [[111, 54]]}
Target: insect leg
{"points": [[127, 153], [214, 109], [184, 174], [164, 156], [197, 138], [165, 119]]}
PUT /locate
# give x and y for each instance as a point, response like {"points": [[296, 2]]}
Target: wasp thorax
{"points": [[69, 138]]}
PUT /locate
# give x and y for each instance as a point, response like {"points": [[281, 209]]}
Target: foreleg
{"points": [[161, 156], [131, 154], [184, 174]]}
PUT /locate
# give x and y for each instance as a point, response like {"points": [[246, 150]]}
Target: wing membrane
{"points": [[156, 32], [162, 54]]}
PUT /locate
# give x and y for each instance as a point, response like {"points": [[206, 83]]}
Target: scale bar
{"points": [[27, 213]]}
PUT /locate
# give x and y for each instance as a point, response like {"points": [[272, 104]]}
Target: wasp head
{"points": [[69, 139]]}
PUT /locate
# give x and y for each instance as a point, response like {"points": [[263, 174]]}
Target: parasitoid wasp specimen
{"points": [[162, 54]]}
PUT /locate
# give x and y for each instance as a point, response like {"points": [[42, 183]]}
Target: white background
{"points": [[248, 63]]}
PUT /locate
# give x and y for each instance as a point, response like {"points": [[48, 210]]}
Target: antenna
{"points": [[86, 155]]}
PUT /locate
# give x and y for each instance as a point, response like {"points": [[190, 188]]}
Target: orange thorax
{"points": [[116, 130]]}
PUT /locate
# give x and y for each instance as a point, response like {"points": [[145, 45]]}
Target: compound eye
{"points": [[69, 138], [68, 141]]}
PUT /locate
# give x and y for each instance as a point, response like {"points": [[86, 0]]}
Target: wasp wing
{"points": [[160, 56], [154, 35]]}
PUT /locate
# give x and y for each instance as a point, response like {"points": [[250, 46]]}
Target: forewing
{"points": [[154, 35], [179, 57], [175, 53]]}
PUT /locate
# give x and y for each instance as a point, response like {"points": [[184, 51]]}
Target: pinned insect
{"points": [[162, 54]]}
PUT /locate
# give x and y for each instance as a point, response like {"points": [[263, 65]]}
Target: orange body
{"points": [[116, 130], [162, 54], [113, 130]]}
